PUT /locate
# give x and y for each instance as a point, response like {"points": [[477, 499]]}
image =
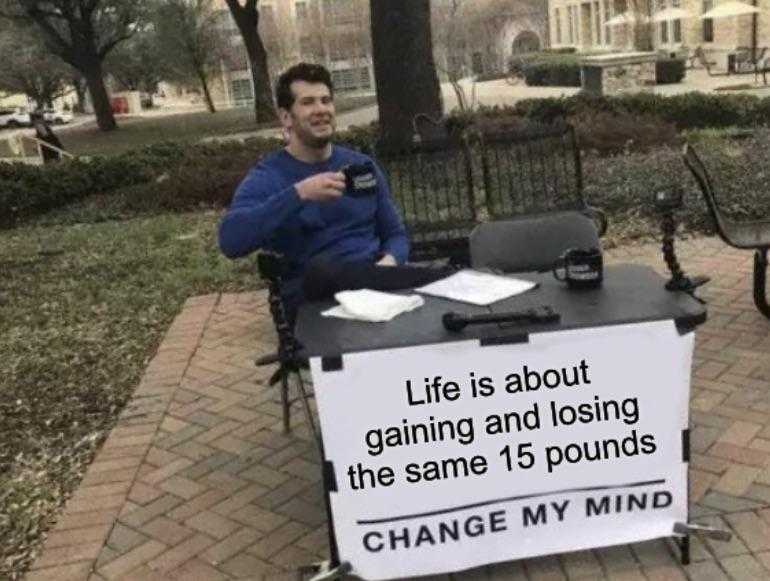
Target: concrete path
{"points": [[197, 481]]}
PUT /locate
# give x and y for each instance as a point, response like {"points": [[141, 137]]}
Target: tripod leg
{"points": [[306, 406], [285, 404], [760, 281]]}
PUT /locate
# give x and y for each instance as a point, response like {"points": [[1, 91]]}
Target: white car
{"points": [[56, 117], [14, 118]]}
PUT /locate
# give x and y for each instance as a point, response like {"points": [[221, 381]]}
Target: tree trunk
{"points": [[102, 108], [264, 110], [206, 92], [247, 20], [404, 70], [80, 92]]}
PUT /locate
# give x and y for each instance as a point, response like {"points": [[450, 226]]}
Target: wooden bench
{"points": [[445, 187]]}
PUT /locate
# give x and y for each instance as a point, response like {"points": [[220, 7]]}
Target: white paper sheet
{"points": [[478, 288]]}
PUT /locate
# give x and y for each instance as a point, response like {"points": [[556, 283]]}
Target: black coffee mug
{"points": [[581, 268], [360, 179]]}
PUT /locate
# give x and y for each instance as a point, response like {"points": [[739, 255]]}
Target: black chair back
{"points": [[531, 243], [694, 163]]}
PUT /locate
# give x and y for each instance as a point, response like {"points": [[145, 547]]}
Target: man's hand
{"points": [[322, 187], [387, 260]]}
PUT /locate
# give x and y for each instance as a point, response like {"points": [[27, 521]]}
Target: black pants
{"points": [[324, 278]]}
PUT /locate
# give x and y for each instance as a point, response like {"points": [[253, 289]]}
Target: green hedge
{"points": [[669, 71], [552, 74], [550, 69], [546, 70], [184, 177], [687, 111], [27, 190]]}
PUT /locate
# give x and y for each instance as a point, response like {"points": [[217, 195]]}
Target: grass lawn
{"points": [[82, 309], [138, 131]]}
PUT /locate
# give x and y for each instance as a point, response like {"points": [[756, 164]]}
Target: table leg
{"points": [[684, 547]]}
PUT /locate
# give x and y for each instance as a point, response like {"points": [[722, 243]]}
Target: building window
{"points": [[571, 24], [242, 92], [597, 23], [677, 34], [351, 79], [267, 16], [300, 9], [664, 32], [607, 16], [308, 48], [557, 21], [708, 23], [339, 12], [346, 46], [575, 23]]}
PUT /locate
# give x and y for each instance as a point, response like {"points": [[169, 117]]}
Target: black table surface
{"points": [[629, 294]]}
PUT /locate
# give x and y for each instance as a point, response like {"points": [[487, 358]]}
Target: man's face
{"points": [[311, 118]]}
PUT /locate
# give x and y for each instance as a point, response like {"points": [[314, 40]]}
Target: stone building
{"points": [[478, 37], [671, 26], [334, 33], [481, 36]]}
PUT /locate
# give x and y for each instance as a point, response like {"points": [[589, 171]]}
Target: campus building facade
{"points": [[479, 39], [623, 25], [334, 33]]}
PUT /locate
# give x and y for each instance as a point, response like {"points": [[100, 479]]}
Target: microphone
{"points": [[456, 322]]}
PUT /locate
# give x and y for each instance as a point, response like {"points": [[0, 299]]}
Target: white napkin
{"points": [[372, 306]]}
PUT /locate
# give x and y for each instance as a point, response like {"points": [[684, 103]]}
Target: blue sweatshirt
{"points": [[266, 212]]}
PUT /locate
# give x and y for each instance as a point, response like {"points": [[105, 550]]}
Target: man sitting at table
{"points": [[296, 202]]}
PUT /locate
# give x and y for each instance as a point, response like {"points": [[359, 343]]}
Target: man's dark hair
{"points": [[307, 72]]}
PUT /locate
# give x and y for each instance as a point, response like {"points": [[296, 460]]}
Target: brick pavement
{"points": [[197, 480]]}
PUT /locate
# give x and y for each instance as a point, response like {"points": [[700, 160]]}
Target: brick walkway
{"points": [[198, 482]]}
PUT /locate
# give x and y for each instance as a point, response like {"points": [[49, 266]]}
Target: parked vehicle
{"points": [[14, 118], [56, 117]]}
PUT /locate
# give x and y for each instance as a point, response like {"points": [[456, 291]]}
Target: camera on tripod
{"points": [[666, 202]]}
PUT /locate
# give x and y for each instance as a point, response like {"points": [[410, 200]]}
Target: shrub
{"points": [[688, 111], [623, 185], [548, 70], [608, 133], [561, 50], [552, 75], [669, 71], [27, 190], [490, 76]]}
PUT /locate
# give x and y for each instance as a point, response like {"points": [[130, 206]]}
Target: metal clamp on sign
{"points": [[715, 534], [456, 322]]}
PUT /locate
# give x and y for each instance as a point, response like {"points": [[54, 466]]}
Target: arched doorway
{"points": [[525, 42]]}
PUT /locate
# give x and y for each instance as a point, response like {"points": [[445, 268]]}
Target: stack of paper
{"points": [[477, 288]]}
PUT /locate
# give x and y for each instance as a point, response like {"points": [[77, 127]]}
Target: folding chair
{"points": [[531, 243]]}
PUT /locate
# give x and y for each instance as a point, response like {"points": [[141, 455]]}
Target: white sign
{"points": [[454, 455]]}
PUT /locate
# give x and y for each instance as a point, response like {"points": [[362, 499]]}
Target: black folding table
{"points": [[629, 294]]}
